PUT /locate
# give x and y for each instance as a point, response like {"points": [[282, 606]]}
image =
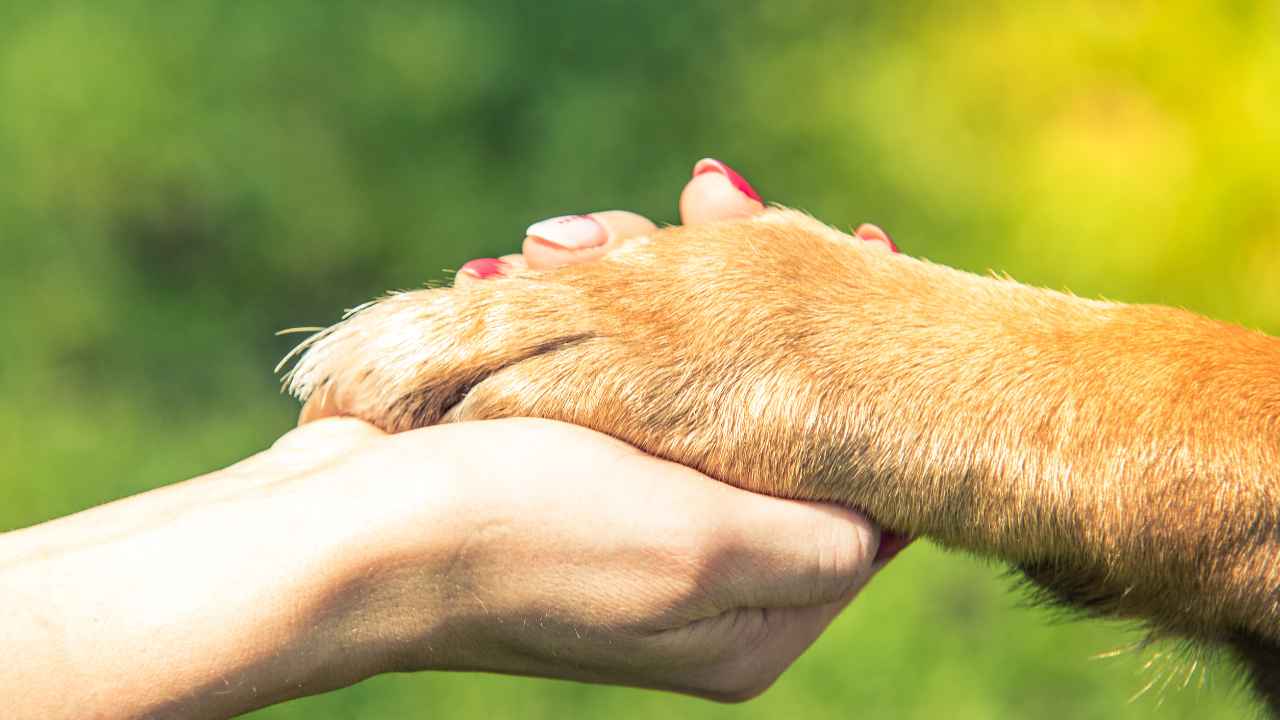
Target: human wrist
{"points": [[219, 595], [284, 578], [404, 521], [464, 558]]}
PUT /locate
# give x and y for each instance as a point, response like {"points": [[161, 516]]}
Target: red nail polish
{"points": [[707, 165], [891, 543], [483, 267], [873, 233], [574, 232], [892, 245]]}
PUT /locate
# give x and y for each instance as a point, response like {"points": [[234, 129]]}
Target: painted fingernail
{"points": [[574, 232], [874, 233], [891, 543], [707, 165], [483, 267]]}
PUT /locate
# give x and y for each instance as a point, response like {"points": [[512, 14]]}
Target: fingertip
{"points": [[874, 233], [830, 545], [570, 232], [514, 262], [479, 269], [847, 543], [574, 239], [717, 192], [564, 240], [711, 165], [863, 538], [840, 527], [890, 546]]}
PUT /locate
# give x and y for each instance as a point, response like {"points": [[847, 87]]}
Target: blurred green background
{"points": [[182, 179]]}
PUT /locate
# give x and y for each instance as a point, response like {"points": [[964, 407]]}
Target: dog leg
{"points": [[1126, 457]]}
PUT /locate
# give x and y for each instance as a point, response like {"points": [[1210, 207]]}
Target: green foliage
{"points": [[182, 179]]}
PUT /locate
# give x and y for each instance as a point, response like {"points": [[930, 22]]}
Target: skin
{"points": [[1122, 457], [517, 546]]}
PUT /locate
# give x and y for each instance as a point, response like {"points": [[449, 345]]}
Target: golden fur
{"points": [[1125, 457]]}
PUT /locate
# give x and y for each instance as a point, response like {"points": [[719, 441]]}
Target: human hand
{"points": [[519, 546], [522, 546], [715, 192], [540, 548], [897, 386], [645, 574]]}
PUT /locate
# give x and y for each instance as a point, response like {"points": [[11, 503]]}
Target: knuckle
{"points": [[844, 552], [751, 631], [745, 667]]}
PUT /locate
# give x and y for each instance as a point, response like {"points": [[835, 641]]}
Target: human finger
{"points": [[717, 192], [484, 268], [874, 233], [772, 552], [572, 239], [758, 645], [334, 436]]}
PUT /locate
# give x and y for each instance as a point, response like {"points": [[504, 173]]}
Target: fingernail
{"points": [[891, 543], [483, 267], [574, 232], [707, 165], [874, 233]]}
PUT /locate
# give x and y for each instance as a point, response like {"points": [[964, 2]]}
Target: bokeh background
{"points": [[179, 180]]}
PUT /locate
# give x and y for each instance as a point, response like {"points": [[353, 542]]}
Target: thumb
{"points": [[786, 568], [778, 553], [753, 647]]}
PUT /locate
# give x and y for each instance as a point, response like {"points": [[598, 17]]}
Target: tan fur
{"points": [[1126, 457]]}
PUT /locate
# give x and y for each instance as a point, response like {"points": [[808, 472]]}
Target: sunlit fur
{"points": [[1125, 457]]}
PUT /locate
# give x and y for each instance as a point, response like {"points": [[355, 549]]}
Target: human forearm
{"points": [[343, 552], [206, 599]]}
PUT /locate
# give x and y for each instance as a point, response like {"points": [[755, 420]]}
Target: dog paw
{"points": [[715, 346], [777, 354]]}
